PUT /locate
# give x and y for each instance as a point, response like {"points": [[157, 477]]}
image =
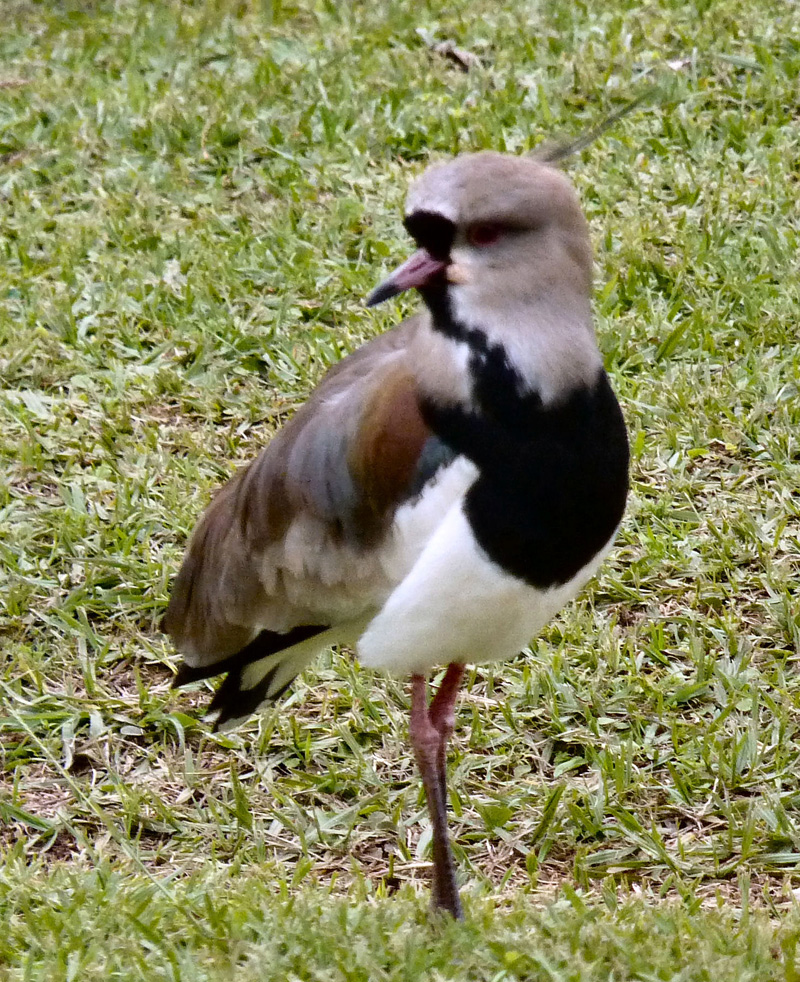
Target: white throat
{"points": [[549, 342]]}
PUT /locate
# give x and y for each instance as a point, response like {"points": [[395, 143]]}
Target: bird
{"points": [[445, 489]]}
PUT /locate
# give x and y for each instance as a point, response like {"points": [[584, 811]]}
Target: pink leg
{"points": [[429, 731], [442, 709]]}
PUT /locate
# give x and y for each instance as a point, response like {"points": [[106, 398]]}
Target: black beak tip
{"points": [[382, 292]]}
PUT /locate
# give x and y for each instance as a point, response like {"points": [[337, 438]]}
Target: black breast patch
{"points": [[553, 479]]}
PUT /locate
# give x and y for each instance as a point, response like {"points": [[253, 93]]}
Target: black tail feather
{"points": [[265, 644], [234, 703]]}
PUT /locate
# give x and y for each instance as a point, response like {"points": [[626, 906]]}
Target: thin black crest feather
{"points": [[554, 153]]}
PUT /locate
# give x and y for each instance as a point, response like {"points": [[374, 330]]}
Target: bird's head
{"points": [[493, 231]]}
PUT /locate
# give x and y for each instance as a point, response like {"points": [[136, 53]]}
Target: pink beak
{"points": [[418, 270]]}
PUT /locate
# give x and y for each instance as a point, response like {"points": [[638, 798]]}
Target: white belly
{"points": [[416, 522], [455, 604]]}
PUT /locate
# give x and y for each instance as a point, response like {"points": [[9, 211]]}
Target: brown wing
{"points": [[292, 540]]}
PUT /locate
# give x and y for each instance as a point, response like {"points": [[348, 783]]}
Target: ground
{"points": [[196, 197]]}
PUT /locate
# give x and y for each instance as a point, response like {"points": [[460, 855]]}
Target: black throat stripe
{"points": [[553, 479]]}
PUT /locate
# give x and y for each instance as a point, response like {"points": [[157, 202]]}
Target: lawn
{"points": [[196, 197]]}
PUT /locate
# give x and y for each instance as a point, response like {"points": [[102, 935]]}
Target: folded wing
{"points": [[291, 549]]}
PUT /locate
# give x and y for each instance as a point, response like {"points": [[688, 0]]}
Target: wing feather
{"points": [[292, 542]]}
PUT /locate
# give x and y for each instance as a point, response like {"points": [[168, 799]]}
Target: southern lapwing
{"points": [[446, 489]]}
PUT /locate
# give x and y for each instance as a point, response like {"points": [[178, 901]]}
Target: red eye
{"points": [[484, 234]]}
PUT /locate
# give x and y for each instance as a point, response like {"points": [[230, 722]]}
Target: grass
{"points": [[196, 197]]}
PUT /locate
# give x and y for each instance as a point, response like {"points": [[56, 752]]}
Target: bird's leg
{"points": [[442, 712], [442, 716], [429, 731]]}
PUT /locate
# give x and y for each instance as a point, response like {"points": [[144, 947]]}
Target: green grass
{"points": [[196, 197], [98, 925]]}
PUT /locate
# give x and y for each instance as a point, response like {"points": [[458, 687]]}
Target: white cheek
{"points": [[441, 367], [474, 300]]}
